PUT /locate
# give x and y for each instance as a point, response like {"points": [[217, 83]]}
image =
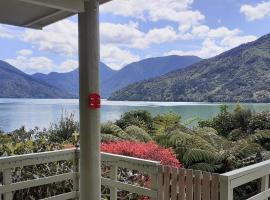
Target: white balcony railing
{"points": [[166, 183], [233, 179]]}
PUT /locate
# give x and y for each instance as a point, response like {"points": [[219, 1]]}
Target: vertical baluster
{"points": [[206, 186], [197, 185], [154, 183], [189, 185], [174, 184], [0, 193], [160, 182], [182, 184], [265, 183], [167, 181], [7, 180], [113, 176], [214, 186], [76, 173], [226, 192]]}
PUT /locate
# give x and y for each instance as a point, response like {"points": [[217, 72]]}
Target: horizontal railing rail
{"points": [[164, 182], [9, 164], [230, 180]]}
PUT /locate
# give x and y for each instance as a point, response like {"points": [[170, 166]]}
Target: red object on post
{"points": [[94, 101]]}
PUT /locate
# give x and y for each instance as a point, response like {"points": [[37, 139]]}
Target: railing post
{"points": [[113, 176], [154, 183], [7, 180], [160, 182], [226, 192], [76, 172], [265, 183]]}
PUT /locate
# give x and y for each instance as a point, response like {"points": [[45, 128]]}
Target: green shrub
{"points": [[259, 121], [166, 122], [64, 129], [223, 122], [138, 134], [241, 118], [140, 118]]}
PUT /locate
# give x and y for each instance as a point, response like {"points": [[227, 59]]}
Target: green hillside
{"points": [[238, 75]]}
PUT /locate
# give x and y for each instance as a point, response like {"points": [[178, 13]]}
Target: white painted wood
{"points": [[76, 173], [69, 195], [113, 176], [265, 183], [73, 154], [35, 158], [129, 188], [160, 182], [74, 6], [226, 191], [7, 181], [89, 58], [34, 24], [154, 184], [260, 196], [257, 170], [35, 182], [130, 163]]}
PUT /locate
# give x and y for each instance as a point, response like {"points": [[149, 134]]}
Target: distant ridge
{"points": [[145, 69], [69, 82], [238, 75], [112, 80], [16, 84]]}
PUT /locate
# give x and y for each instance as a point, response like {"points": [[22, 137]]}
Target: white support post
{"points": [[265, 183], [90, 171], [113, 176], [226, 192], [7, 180], [154, 184]]}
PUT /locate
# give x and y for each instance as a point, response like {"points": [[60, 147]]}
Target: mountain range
{"points": [[143, 70], [66, 85], [17, 84], [112, 80], [241, 74]]}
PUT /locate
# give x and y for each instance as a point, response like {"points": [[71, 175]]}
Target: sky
{"points": [[132, 30]]}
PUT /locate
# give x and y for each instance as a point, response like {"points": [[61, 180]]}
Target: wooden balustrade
{"points": [[167, 183]]}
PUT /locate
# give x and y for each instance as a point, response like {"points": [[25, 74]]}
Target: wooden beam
{"points": [[74, 6]]}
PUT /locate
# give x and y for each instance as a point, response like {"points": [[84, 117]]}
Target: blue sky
{"points": [[132, 30]]}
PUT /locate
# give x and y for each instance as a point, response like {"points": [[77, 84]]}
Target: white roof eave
{"points": [[38, 13]]}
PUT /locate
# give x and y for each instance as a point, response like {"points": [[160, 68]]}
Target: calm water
{"points": [[15, 113]]}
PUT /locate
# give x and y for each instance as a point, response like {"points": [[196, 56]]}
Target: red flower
{"points": [[148, 151]]}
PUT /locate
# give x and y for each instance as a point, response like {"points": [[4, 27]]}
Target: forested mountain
{"points": [[16, 84], [69, 82], [145, 69], [238, 75]]}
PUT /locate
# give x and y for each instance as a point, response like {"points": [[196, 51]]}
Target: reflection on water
{"points": [[15, 113]]}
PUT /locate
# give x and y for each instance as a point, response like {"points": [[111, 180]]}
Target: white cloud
{"points": [[60, 38], [33, 64], [172, 10], [231, 42], [115, 57], [211, 47], [25, 52], [5, 32], [129, 35], [121, 34], [259, 11], [67, 66], [203, 31]]}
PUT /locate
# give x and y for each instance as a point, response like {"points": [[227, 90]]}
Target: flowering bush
{"points": [[149, 151]]}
